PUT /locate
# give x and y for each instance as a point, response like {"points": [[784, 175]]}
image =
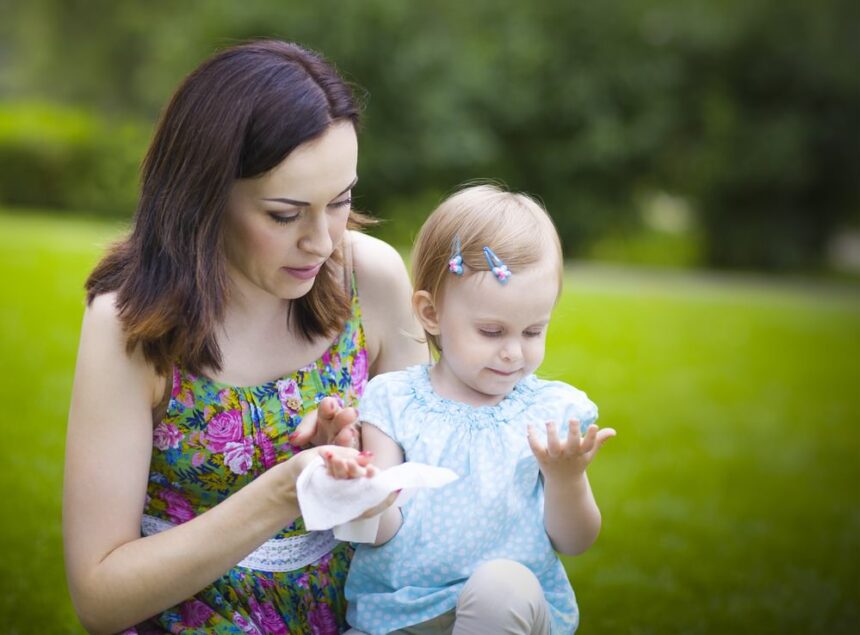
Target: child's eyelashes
{"points": [[499, 333]]}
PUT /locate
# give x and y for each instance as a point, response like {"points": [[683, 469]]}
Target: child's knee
{"points": [[506, 579]]}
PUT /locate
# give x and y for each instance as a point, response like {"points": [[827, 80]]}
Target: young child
{"points": [[479, 555]]}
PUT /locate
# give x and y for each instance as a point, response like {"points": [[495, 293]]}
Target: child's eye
{"points": [[283, 218], [533, 333], [489, 332], [347, 202]]}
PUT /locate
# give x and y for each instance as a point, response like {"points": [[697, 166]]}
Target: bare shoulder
{"points": [[376, 261], [103, 341], [385, 294]]}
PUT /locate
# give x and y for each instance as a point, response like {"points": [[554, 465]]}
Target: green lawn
{"points": [[726, 497]]}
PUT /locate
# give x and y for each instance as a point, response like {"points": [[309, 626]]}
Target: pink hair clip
{"points": [[497, 267], [455, 264]]}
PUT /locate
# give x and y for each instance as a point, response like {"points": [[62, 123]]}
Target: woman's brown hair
{"points": [[238, 115]]}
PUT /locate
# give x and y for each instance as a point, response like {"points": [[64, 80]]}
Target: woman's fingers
{"points": [[385, 504]]}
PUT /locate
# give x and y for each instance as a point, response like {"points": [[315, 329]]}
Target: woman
{"points": [[239, 302]]}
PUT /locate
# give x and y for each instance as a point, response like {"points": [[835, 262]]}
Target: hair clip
{"points": [[455, 264], [499, 269]]}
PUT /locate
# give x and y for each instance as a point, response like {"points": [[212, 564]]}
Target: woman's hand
{"points": [[567, 460], [329, 424]]}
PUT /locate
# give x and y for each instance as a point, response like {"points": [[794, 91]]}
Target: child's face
{"points": [[493, 335]]}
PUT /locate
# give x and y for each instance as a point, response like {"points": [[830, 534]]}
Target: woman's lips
{"points": [[304, 273]]}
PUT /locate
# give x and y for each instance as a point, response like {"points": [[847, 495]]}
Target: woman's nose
{"points": [[316, 238]]}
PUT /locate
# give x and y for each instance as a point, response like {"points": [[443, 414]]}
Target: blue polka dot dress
{"points": [[494, 510]]}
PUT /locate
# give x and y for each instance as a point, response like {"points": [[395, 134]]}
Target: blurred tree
{"points": [[768, 145], [748, 109]]}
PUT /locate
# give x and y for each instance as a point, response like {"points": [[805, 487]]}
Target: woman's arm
{"points": [[117, 578], [386, 303]]}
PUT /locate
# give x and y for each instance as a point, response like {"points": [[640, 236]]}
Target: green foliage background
{"points": [[748, 110], [727, 494]]}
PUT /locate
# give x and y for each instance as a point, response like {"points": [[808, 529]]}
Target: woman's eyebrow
{"points": [[290, 201]]}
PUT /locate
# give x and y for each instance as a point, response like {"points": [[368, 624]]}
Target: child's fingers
{"points": [[538, 448], [587, 442], [573, 434], [553, 443], [603, 436]]}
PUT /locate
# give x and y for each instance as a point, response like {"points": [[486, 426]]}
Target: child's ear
{"points": [[425, 310]]}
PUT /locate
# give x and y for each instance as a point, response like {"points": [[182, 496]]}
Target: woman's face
{"points": [[282, 226]]}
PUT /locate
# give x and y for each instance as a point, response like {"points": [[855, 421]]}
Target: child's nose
{"points": [[512, 352]]}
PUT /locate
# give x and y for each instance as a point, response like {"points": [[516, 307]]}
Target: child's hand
{"points": [[344, 463], [567, 459]]}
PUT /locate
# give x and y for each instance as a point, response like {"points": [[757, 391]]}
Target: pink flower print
{"points": [[178, 508], [195, 613], [166, 435], [180, 393], [289, 394], [359, 371], [225, 427], [244, 625], [267, 449], [198, 459], [303, 581], [323, 620], [239, 456], [267, 618]]}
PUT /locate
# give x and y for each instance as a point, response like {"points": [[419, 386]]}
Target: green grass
{"points": [[726, 497]]}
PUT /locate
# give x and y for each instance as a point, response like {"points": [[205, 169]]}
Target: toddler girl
{"points": [[479, 555]]}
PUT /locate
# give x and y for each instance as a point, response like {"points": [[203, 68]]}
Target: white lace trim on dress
{"points": [[276, 555]]}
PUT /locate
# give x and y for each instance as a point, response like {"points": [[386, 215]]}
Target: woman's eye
{"points": [[282, 218], [347, 202]]}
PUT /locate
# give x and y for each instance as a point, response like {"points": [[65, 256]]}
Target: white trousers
{"points": [[502, 597]]}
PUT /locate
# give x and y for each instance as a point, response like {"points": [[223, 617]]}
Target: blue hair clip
{"points": [[455, 264], [499, 269]]}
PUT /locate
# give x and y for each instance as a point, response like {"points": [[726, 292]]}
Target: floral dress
{"points": [[214, 440]]}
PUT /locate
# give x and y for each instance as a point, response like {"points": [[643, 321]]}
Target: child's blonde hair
{"points": [[515, 226]]}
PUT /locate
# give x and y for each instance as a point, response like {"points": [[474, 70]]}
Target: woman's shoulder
{"points": [[103, 338], [375, 260], [385, 295]]}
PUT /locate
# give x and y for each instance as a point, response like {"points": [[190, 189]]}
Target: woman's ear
{"points": [[426, 312]]}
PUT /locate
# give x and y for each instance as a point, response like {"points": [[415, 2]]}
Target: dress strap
{"points": [[160, 409], [346, 250]]}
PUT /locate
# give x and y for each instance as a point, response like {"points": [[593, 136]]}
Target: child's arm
{"points": [[571, 516], [385, 453]]}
